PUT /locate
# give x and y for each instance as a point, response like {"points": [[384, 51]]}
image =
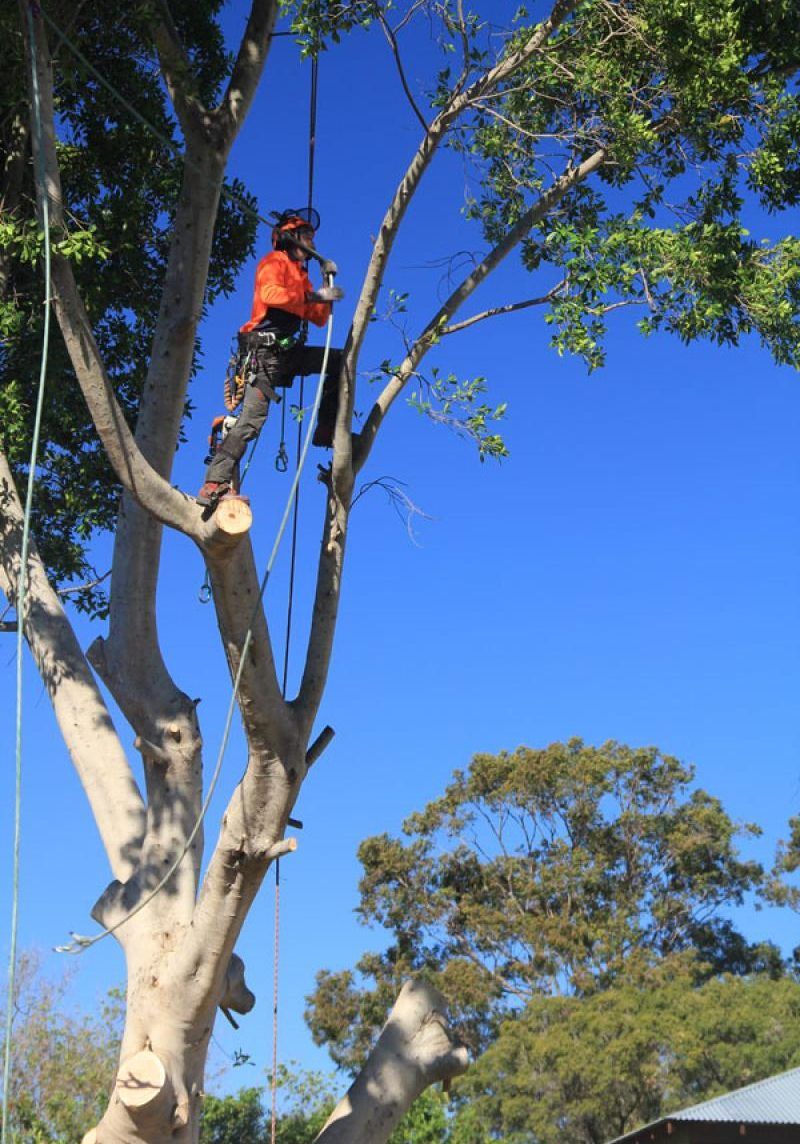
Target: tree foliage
{"points": [[540, 872], [62, 1060], [690, 104], [120, 187], [589, 1069], [574, 905]]}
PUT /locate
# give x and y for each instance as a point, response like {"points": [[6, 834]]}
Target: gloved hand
{"points": [[326, 294]]}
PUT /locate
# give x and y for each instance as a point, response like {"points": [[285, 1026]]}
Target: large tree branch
{"points": [[345, 462], [176, 68], [420, 162], [83, 719], [439, 322], [131, 465], [327, 594], [248, 67], [135, 473], [130, 662], [235, 584], [415, 1050]]}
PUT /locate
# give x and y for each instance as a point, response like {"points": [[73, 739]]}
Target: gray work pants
{"points": [[275, 370]]}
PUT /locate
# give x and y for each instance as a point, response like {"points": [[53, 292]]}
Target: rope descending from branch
{"points": [[23, 573]]}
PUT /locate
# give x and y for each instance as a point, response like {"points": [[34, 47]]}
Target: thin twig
{"points": [[392, 39], [507, 309], [84, 587]]}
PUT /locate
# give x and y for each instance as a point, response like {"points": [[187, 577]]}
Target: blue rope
{"points": [[22, 578]]}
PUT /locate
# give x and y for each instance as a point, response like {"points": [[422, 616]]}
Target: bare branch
{"points": [[433, 331], [246, 73], [82, 715], [416, 169], [399, 499], [177, 71], [392, 38], [509, 308], [85, 587]]}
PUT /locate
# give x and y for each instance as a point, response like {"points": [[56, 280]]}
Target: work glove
{"points": [[326, 294]]}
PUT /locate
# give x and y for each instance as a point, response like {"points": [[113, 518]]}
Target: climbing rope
{"points": [[273, 1123], [22, 583], [282, 457]]}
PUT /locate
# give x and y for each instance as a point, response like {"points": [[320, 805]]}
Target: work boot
{"points": [[326, 418], [211, 491], [323, 434]]}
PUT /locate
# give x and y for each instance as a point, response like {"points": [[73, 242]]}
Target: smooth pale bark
{"points": [[415, 1050], [79, 707]]}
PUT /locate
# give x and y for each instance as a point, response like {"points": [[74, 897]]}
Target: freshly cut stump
{"points": [[233, 515]]}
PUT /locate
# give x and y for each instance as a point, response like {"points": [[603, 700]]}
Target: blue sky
{"points": [[631, 571]]}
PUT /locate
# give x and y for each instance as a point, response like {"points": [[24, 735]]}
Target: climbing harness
{"points": [[22, 578]]}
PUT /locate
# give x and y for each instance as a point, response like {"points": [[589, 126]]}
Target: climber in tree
{"points": [[272, 349]]}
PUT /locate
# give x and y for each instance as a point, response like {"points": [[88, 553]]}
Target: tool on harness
{"points": [[235, 382], [220, 428]]}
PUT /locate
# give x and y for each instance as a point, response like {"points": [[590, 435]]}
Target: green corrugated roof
{"points": [[775, 1100]]}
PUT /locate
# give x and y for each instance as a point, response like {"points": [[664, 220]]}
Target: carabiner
{"points": [[204, 595], [282, 458]]}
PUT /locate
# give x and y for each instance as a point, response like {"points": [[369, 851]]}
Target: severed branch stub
{"points": [[232, 515], [322, 741], [416, 1049]]}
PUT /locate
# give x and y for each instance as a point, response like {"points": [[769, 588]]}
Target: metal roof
{"points": [[775, 1100]]}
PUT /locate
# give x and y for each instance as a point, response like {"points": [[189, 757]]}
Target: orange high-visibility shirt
{"points": [[282, 284]]}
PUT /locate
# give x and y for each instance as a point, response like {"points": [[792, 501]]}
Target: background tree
{"points": [[573, 904], [64, 1060], [566, 870], [593, 1068], [612, 144]]}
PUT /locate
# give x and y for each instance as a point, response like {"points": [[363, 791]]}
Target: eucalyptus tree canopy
{"points": [[564, 871]]}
